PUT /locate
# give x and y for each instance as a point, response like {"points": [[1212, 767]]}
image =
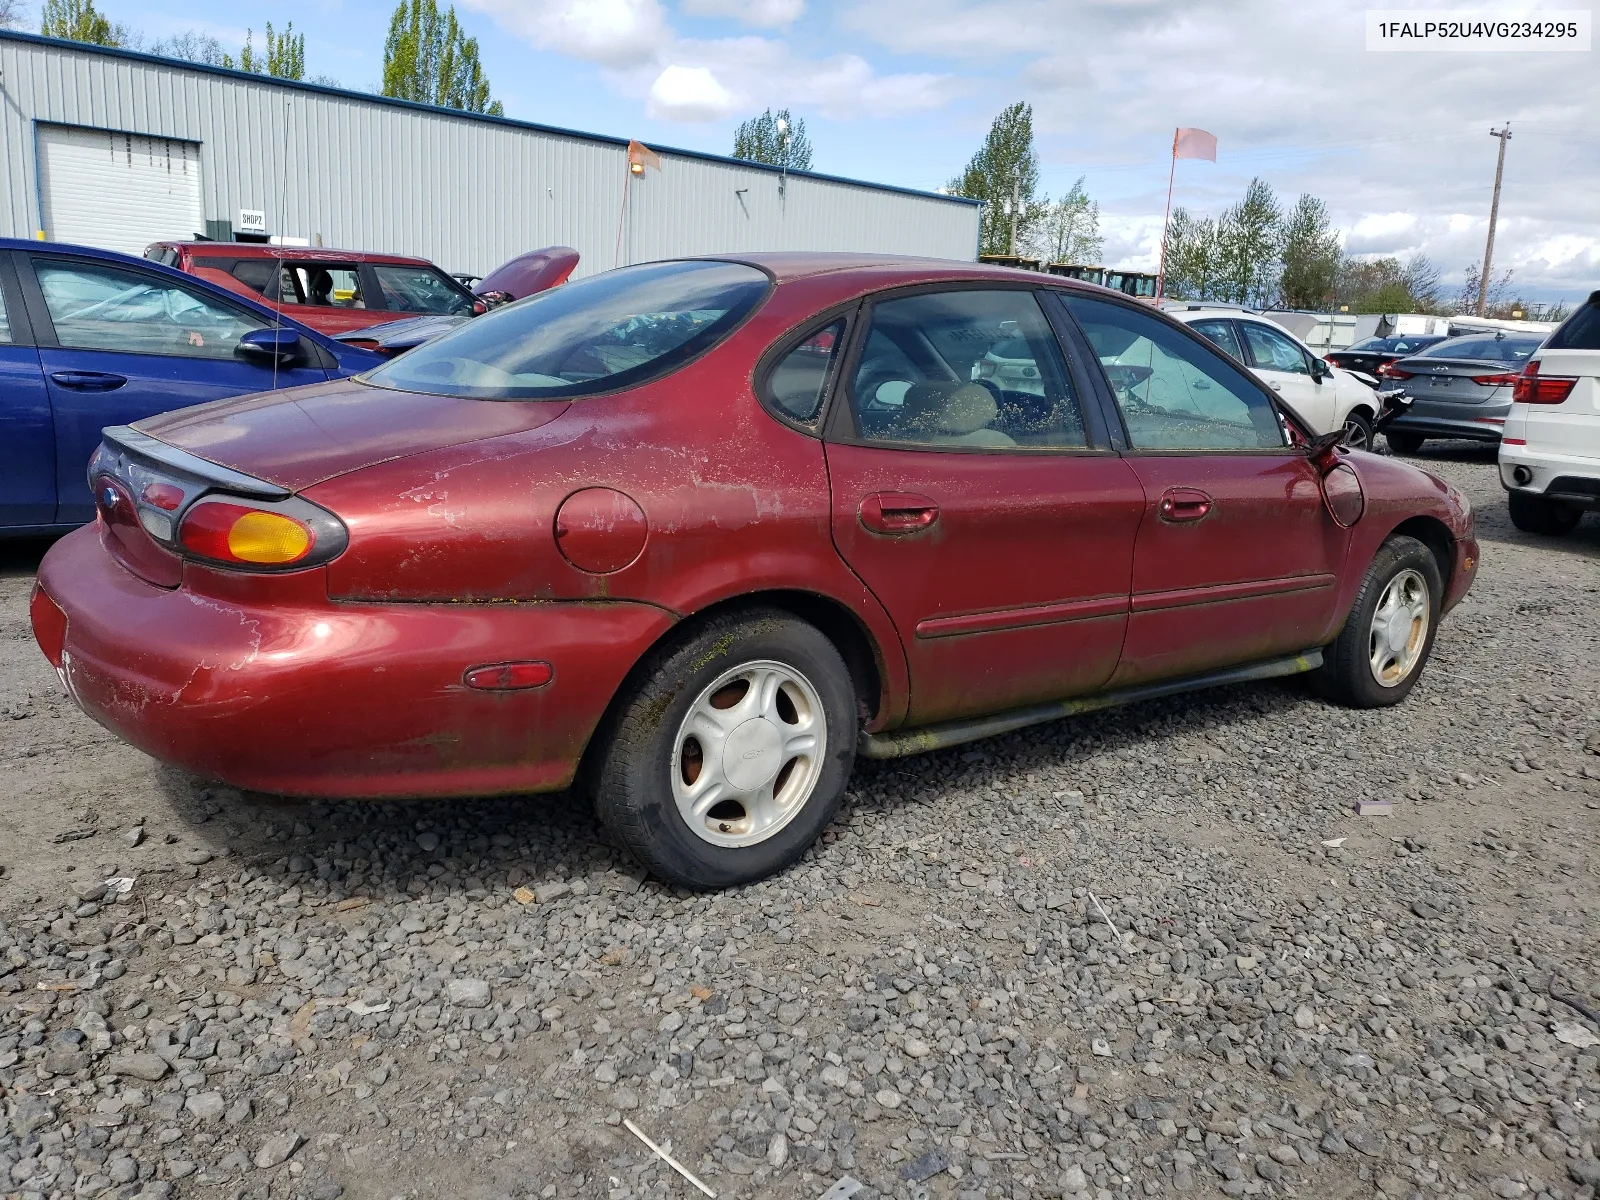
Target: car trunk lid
{"points": [[1455, 380], [302, 437]]}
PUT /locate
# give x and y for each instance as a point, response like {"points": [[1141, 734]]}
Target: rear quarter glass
{"points": [[1580, 331]]}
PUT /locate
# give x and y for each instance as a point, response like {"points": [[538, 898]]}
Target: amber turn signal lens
{"points": [[234, 533], [263, 537]]}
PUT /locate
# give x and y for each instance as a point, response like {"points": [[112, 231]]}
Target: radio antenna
{"points": [[283, 216]]}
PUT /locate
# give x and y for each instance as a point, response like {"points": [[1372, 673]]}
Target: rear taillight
{"points": [[254, 535], [49, 626], [1534, 388], [1390, 371], [1503, 379]]}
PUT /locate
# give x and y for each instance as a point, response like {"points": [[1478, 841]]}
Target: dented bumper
{"points": [[271, 686]]}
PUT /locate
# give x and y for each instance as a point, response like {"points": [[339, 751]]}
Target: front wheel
{"points": [[1533, 513], [732, 754], [1401, 442], [1358, 431], [1387, 638]]}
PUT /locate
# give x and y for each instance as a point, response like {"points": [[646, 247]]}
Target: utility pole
{"points": [[1494, 214], [1016, 204]]}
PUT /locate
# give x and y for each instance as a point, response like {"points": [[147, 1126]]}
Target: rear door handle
{"points": [[1185, 504], [88, 381], [898, 512]]}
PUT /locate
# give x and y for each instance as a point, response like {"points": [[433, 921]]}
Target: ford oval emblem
{"points": [[109, 497]]}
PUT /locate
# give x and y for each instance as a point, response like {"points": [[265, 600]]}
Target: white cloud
{"points": [[613, 33], [1294, 97], [766, 14], [688, 94]]}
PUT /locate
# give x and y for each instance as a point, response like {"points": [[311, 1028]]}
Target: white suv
{"points": [[1325, 396], [1550, 451]]}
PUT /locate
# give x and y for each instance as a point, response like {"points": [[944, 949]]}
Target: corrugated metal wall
{"points": [[467, 193]]}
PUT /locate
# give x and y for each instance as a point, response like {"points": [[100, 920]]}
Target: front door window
{"points": [[1173, 392]]}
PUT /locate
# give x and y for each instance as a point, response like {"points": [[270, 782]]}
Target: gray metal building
{"points": [[118, 149]]}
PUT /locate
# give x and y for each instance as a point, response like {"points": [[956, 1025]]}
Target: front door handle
{"points": [[898, 512], [88, 381], [1277, 387], [1185, 504]]}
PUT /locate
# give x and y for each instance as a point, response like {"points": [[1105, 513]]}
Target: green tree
{"points": [[1005, 170], [1193, 257], [759, 140], [1311, 256], [1387, 285], [428, 58], [80, 21], [1251, 238], [1070, 230], [285, 55], [1467, 299]]}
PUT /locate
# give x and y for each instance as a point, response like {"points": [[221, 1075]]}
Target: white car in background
{"points": [[1550, 449], [1325, 396]]}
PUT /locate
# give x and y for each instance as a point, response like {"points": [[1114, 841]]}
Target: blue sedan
{"points": [[90, 338]]}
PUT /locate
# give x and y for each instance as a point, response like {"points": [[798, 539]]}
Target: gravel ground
{"points": [[470, 1000]]}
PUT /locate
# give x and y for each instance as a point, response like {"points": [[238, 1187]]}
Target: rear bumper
{"points": [[1573, 478], [304, 696], [1486, 428]]}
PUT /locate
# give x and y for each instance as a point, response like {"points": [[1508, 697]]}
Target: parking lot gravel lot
{"points": [[1146, 953]]}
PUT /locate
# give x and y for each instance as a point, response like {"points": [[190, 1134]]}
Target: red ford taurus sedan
{"points": [[697, 533]]}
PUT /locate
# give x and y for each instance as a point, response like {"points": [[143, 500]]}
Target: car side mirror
{"points": [[1320, 370], [283, 345]]}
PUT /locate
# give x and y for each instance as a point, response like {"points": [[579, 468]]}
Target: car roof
{"points": [[302, 253], [785, 265]]}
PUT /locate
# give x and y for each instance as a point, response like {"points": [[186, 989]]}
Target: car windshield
{"points": [[1486, 349], [606, 332]]}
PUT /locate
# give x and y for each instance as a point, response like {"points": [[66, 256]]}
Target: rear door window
{"points": [[1220, 333], [5, 320], [326, 285], [965, 369], [419, 290]]}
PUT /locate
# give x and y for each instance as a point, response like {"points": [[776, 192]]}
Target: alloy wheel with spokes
{"points": [[1357, 432], [748, 753], [1399, 628]]}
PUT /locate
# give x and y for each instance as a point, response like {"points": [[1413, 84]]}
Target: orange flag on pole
{"points": [[1186, 143], [1195, 143], [641, 156]]}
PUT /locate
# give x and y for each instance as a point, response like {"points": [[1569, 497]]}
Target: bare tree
{"points": [[10, 14]]}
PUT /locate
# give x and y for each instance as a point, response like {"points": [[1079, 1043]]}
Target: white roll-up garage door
{"points": [[118, 190]]}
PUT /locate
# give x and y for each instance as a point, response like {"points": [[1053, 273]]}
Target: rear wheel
{"points": [[732, 754], [1404, 443], [1358, 431], [1387, 638], [1533, 513]]}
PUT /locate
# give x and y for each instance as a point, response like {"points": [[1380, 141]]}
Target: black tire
{"points": [[1401, 442], [1358, 430], [634, 784], [1533, 513], [1347, 673]]}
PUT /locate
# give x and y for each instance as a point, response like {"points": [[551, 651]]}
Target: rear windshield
{"points": [[1581, 330], [1395, 345], [1488, 349], [606, 332]]}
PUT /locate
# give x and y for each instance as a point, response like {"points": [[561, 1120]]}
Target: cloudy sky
{"points": [[902, 91]]}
